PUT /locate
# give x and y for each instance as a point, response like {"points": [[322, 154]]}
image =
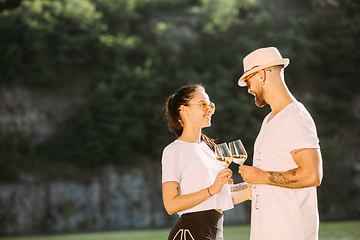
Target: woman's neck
{"points": [[192, 136]]}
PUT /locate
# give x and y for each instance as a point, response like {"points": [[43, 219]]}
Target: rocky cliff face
{"points": [[113, 199], [34, 112]]}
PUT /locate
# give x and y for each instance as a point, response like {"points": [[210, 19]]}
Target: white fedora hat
{"points": [[260, 59]]}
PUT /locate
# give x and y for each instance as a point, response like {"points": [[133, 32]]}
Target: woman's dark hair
{"points": [[173, 103]]}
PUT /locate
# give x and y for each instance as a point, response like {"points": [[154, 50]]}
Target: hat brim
{"points": [[284, 61]]}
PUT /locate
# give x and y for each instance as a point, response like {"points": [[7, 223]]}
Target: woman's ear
{"points": [[183, 110]]}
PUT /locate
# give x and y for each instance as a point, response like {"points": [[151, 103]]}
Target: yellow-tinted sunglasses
{"points": [[205, 105]]}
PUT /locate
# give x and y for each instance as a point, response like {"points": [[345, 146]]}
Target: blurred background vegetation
{"points": [[133, 54]]}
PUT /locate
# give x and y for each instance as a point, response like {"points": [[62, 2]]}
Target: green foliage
{"points": [[218, 15], [117, 123], [330, 46], [43, 39]]}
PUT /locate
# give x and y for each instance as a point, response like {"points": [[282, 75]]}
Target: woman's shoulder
{"points": [[178, 146], [173, 146], [174, 150]]}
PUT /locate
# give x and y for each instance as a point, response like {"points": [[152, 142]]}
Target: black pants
{"points": [[197, 225]]}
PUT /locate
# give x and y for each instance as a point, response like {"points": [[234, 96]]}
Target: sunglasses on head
{"points": [[205, 105], [247, 78]]}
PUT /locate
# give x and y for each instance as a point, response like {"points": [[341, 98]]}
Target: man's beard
{"points": [[259, 98]]}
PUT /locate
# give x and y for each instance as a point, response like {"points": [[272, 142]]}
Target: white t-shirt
{"points": [[194, 167], [282, 213]]}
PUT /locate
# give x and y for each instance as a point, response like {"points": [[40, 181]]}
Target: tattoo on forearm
{"points": [[278, 178], [293, 171], [239, 187], [284, 186]]}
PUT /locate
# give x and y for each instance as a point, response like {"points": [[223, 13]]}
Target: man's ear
{"points": [[262, 77]]}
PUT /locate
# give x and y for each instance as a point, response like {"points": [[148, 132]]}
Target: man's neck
{"points": [[280, 103]]}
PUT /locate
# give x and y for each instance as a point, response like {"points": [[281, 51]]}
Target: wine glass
{"points": [[238, 152], [223, 155]]}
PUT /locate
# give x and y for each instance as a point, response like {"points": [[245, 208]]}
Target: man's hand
{"points": [[252, 174]]}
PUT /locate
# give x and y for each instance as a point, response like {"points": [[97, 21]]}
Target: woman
{"points": [[194, 184]]}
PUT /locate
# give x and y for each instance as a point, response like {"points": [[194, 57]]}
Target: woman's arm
{"points": [[174, 202]]}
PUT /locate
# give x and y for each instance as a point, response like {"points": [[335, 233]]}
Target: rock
{"points": [[114, 199]]}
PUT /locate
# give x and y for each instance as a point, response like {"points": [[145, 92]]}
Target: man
{"points": [[287, 164]]}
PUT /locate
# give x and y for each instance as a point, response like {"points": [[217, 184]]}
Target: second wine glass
{"points": [[223, 154], [238, 152]]}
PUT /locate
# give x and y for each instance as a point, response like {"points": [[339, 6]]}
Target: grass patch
{"points": [[340, 230], [328, 231]]}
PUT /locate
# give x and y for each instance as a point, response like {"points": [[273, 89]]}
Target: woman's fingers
{"points": [[225, 173], [224, 176]]}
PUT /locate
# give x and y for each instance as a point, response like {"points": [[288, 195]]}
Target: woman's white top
{"points": [[194, 167]]}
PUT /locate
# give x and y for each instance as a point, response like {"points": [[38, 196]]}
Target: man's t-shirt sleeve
{"points": [[300, 132]]}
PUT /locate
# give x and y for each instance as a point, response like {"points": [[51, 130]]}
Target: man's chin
{"points": [[259, 104]]}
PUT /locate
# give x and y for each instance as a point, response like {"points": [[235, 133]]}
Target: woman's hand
{"points": [[223, 177]]}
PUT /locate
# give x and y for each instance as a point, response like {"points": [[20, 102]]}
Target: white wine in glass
{"points": [[223, 155], [238, 152]]}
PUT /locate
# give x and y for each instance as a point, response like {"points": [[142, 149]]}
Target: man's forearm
{"points": [[287, 179], [240, 192]]}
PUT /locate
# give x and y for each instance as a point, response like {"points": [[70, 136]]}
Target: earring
{"points": [[262, 83]]}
